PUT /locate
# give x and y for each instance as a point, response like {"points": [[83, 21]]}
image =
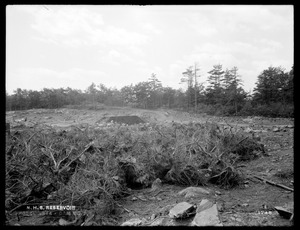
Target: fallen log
{"points": [[275, 184]]}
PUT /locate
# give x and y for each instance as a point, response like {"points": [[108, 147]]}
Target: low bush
{"points": [[272, 110]]}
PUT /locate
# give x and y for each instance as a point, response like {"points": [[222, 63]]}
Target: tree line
{"points": [[223, 94]]}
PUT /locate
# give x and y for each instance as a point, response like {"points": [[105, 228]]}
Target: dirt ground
{"points": [[252, 204]]}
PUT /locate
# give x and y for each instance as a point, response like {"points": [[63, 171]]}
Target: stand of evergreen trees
{"points": [[224, 95]]}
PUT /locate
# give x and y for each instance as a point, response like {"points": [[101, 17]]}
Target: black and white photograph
{"points": [[149, 115]]}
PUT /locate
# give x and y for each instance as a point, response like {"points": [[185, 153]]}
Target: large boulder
{"points": [[207, 217], [182, 210], [193, 191]]}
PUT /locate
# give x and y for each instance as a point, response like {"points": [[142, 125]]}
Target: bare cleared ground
{"points": [[251, 204]]}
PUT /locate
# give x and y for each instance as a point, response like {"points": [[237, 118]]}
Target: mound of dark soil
{"points": [[129, 120]]}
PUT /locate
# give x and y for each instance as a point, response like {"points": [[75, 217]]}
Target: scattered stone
{"points": [[238, 219], [116, 178], [152, 217], [193, 191], [63, 222], [218, 192], [132, 222], [207, 217], [204, 204], [134, 198], [256, 131], [141, 198], [182, 210], [248, 130], [82, 158], [248, 120], [245, 205], [283, 212]]}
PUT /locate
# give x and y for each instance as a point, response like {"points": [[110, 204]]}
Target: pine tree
{"points": [[215, 90]]}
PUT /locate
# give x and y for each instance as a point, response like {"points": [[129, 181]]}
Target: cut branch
{"points": [[275, 184], [64, 168]]}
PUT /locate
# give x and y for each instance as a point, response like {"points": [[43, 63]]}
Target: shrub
{"points": [[274, 110]]}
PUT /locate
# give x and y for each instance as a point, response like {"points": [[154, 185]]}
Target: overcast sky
{"points": [[50, 46]]}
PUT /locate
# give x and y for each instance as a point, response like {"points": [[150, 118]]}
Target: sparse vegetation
{"points": [[92, 167]]}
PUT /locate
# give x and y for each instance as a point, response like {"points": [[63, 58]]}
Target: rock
{"points": [[248, 120], [63, 222], [238, 219], [142, 198], [248, 130], [132, 222], [207, 217], [290, 126], [116, 178], [283, 212], [257, 131], [245, 205], [218, 192], [152, 216], [193, 191], [276, 129], [82, 158], [181, 210], [204, 204]]}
